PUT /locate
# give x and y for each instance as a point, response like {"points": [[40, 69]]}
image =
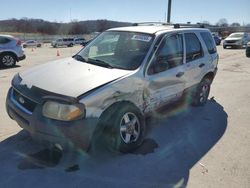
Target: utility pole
{"points": [[169, 10]]}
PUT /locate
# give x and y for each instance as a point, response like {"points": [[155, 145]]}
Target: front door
{"points": [[165, 75]]}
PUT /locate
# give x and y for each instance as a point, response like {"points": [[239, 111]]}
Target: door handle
{"points": [[179, 74], [201, 65]]}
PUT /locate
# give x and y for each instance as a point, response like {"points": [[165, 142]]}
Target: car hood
{"points": [[69, 77], [234, 38]]}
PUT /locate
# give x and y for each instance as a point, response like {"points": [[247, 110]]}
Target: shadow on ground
{"points": [[5, 68], [176, 141]]}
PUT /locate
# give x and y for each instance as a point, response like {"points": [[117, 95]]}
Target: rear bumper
{"points": [[74, 134], [22, 58]]}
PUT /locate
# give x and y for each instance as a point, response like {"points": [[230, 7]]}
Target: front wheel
{"points": [[202, 92], [125, 129]]}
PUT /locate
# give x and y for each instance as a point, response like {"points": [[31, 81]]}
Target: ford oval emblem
{"points": [[21, 100]]}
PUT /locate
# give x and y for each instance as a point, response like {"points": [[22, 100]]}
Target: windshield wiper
{"points": [[92, 61], [80, 58], [100, 63]]}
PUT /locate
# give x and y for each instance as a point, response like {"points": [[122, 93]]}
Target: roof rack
{"points": [[176, 25]]}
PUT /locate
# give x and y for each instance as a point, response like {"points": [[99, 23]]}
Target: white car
{"points": [[104, 92], [32, 43], [236, 40], [11, 51]]}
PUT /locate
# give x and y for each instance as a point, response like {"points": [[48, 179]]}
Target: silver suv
{"points": [[69, 42], [238, 40], [103, 93], [11, 51]]}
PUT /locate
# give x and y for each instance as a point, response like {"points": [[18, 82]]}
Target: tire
{"points": [[248, 52], [202, 92], [124, 129], [39, 45], [8, 60], [24, 46], [224, 47]]}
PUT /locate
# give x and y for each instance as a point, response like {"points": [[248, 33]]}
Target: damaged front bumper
{"points": [[73, 134]]}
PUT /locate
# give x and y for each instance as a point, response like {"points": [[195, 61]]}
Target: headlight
{"points": [[63, 112]]}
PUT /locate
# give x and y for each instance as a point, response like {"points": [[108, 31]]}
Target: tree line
{"points": [[26, 25], [75, 27]]}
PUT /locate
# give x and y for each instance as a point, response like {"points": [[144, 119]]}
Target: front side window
{"points": [[193, 47], [169, 54], [207, 37], [114, 49]]}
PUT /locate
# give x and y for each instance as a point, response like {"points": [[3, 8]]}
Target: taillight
{"points": [[18, 43]]}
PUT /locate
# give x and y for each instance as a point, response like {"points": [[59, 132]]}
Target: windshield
{"points": [[123, 50], [236, 35]]}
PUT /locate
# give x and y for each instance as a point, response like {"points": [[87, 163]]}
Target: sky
{"points": [[128, 10]]}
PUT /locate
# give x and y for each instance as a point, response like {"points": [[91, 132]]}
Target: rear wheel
{"points": [[202, 92], [8, 60]]}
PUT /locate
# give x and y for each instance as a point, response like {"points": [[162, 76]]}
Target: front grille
{"points": [[24, 101], [231, 41]]}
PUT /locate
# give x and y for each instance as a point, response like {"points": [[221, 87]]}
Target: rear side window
{"points": [[209, 42], [4, 40], [193, 47]]}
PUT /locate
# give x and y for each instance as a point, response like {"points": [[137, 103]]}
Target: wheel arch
{"points": [[209, 75], [111, 109]]}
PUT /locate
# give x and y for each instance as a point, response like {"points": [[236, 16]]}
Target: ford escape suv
{"points": [[105, 91]]}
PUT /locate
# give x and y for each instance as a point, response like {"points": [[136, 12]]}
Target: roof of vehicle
{"points": [[152, 29], [9, 36], [238, 33]]}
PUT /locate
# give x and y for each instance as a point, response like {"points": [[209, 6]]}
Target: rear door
{"points": [[210, 50], [165, 74], [195, 60]]}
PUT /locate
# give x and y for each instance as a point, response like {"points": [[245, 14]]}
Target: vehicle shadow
{"points": [[177, 139], [5, 68]]}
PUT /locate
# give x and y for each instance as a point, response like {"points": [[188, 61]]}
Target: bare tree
{"points": [[235, 24], [222, 22], [206, 22]]}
